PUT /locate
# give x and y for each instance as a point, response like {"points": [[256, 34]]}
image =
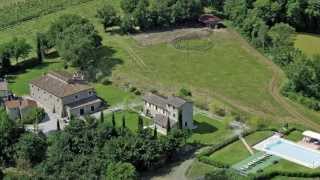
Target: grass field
{"points": [[4, 3], [209, 130], [236, 151], [308, 43]]}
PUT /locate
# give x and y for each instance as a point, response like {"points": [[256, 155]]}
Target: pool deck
{"points": [[260, 166], [262, 146]]}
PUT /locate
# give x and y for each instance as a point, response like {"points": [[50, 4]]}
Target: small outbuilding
{"points": [[19, 108], [311, 137], [210, 20]]}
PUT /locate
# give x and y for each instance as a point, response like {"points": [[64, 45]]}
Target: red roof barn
{"points": [[210, 20]]}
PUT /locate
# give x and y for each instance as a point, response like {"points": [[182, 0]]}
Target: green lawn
{"points": [[198, 169], [19, 83], [113, 95], [131, 119], [209, 131], [295, 136], [308, 43], [236, 151], [288, 166]]}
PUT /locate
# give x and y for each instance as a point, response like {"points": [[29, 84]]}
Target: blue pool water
{"points": [[294, 152]]}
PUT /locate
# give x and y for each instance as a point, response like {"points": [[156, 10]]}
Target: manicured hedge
{"points": [[207, 160], [29, 9], [270, 175], [218, 146]]}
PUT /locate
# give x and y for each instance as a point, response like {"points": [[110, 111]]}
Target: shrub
{"points": [[212, 162], [33, 115], [218, 108], [106, 81], [183, 92]]}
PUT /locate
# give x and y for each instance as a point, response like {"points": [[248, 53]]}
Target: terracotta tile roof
{"points": [[85, 102], [60, 84], [20, 103], [161, 101]]}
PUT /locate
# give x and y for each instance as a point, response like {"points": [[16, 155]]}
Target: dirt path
{"points": [[176, 173], [274, 87]]}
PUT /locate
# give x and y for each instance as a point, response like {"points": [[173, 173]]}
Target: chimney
{"points": [[78, 76]]}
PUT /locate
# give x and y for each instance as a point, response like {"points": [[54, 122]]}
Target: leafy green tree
{"points": [[33, 115], [31, 148], [40, 47], [121, 171], [282, 37], [127, 24], [19, 48], [108, 16], [128, 6], [236, 10], [76, 40]]}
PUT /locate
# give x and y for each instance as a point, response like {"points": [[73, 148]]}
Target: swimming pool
{"points": [[290, 151]]}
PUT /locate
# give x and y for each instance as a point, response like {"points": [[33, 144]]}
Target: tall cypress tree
{"points": [[40, 54], [58, 125], [155, 132], [123, 121], [113, 120], [168, 125], [180, 119], [140, 124], [101, 117]]}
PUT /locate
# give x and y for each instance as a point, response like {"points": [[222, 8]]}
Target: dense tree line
{"points": [[86, 149], [303, 15], [151, 14], [270, 25]]}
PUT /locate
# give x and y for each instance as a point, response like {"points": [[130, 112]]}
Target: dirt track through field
{"points": [[274, 88]]}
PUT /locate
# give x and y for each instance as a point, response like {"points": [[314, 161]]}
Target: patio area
{"points": [[255, 163]]}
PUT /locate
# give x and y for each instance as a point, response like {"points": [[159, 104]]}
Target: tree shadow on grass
{"points": [[204, 128], [104, 64], [26, 65]]}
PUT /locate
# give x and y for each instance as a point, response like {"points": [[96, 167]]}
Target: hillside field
{"points": [[308, 43], [230, 71], [4, 3]]}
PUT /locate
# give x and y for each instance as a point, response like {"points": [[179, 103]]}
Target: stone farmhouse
{"points": [[65, 94], [178, 111]]}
